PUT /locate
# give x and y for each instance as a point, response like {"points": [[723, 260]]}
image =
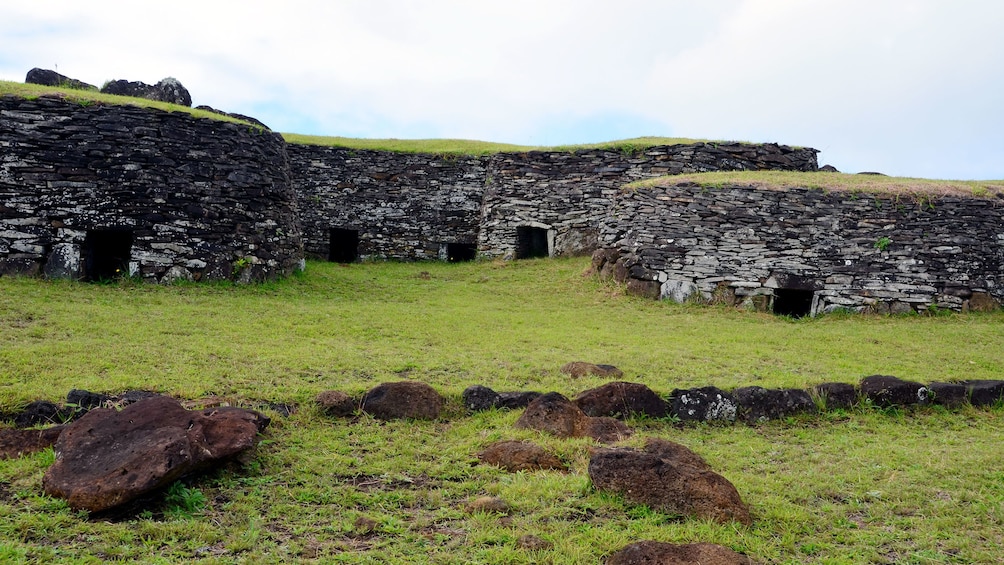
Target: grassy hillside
{"points": [[865, 486], [90, 97]]}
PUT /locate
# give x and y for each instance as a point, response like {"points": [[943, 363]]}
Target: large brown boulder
{"points": [[668, 479], [15, 443], [661, 553], [620, 400], [517, 456], [109, 457], [556, 415], [404, 399]]}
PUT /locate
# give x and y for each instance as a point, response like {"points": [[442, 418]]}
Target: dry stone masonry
{"points": [[806, 251], [94, 191], [97, 191], [359, 204]]}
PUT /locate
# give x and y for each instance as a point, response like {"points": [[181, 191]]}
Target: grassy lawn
{"points": [[842, 182], [865, 486]]}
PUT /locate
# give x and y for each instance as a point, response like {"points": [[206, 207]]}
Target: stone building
{"points": [[805, 251], [96, 191]]}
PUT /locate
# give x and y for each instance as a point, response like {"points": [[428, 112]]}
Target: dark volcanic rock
{"points": [[167, 90], [516, 456], [42, 412], [757, 404], [404, 399], [950, 395], [85, 400], [578, 369], [337, 403], [885, 390], [110, 457], [477, 398], [675, 485], [45, 77], [556, 415], [703, 404], [15, 443], [985, 393], [838, 396], [517, 400], [620, 400], [241, 117], [661, 553]]}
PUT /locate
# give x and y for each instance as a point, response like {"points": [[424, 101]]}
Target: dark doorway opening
{"points": [[343, 245], [531, 243], [792, 302], [106, 254], [460, 252]]}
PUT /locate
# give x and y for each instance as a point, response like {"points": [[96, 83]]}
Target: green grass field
{"points": [[865, 486]]}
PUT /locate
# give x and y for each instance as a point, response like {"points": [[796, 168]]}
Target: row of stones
{"points": [[875, 253], [195, 194], [95, 471]]}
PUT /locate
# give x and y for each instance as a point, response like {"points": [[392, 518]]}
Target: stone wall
{"points": [[831, 250], [88, 191], [403, 206], [417, 206], [563, 196]]}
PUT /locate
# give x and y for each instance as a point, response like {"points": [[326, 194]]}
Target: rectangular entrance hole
{"points": [[343, 245], [792, 302], [461, 252], [106, 254], [531, 243]]}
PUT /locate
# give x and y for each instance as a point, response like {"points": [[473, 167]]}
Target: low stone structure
{"points": [[99, 191], [361, 204], [801, 251]]}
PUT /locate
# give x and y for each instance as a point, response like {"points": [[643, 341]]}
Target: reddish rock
{"points": [[666, 480], [556, 415], [520, 456], [620, 400], [577, 369], [110, 457], [675, 453], [660, 553], [15, 443], [336, 403], [404, 399]]}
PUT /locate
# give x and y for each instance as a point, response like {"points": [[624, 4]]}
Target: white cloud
{"points": [[905, 86]]}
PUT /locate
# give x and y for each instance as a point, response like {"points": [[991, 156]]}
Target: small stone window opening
{"points": [[461, 252], [531, 243], [106, 254], [792, 302], [343, 245]]}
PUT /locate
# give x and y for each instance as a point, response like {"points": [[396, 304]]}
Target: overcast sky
{"points": [[909, 88]]}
